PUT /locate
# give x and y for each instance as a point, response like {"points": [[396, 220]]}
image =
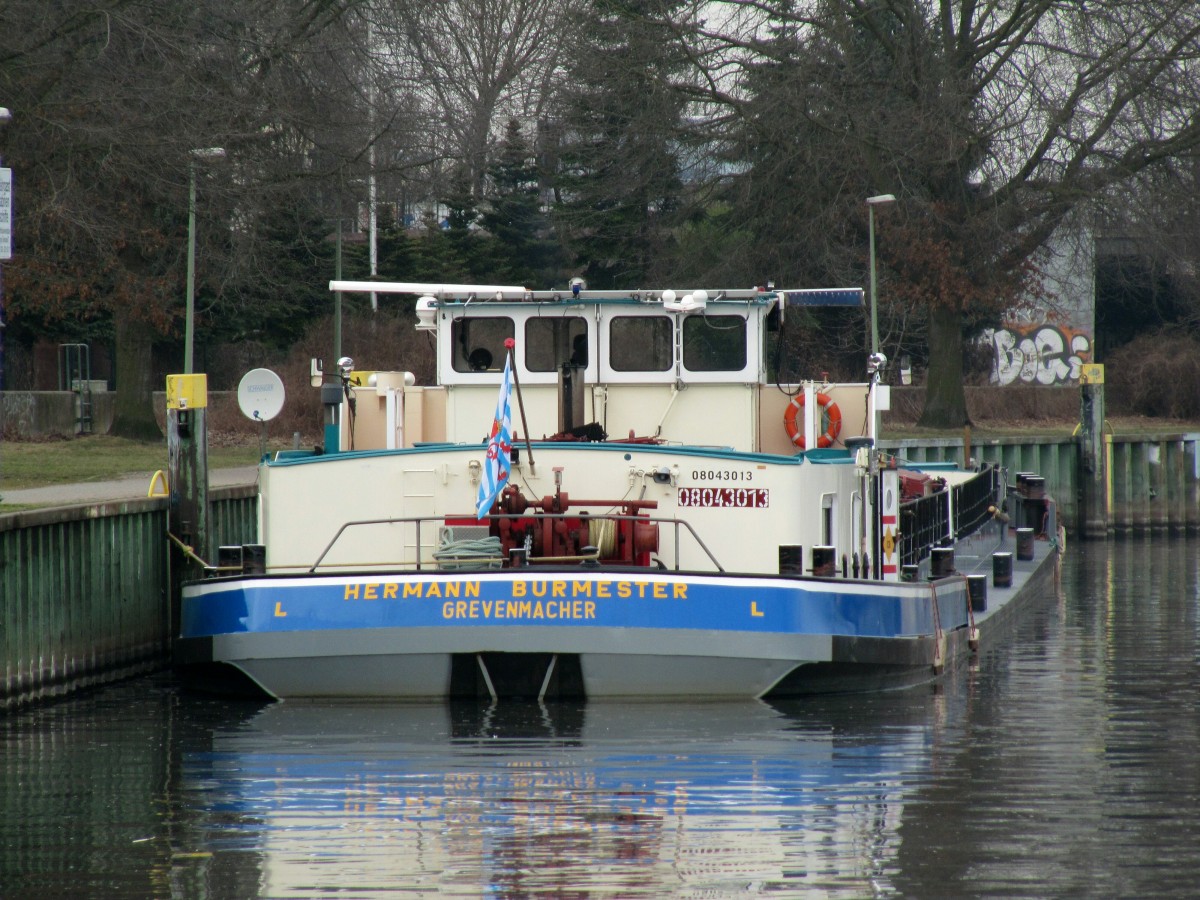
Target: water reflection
{"points": [[514, 800]]}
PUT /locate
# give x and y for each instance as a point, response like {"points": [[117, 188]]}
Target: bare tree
{"points": [[114, 97], [990, 122], [475, 65]]}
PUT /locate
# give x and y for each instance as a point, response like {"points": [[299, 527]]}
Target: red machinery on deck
{"points": [[542, 532]]}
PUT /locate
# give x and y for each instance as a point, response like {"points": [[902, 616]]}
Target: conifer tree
{"points": [[522, 248], [619, 182]]}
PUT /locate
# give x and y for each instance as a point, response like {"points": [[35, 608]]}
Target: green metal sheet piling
{"points": [[84, 591], [1121, 480], [1158, 493], [83, 597]]}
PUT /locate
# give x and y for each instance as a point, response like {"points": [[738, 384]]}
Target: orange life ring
{"points": [[796, 432]]}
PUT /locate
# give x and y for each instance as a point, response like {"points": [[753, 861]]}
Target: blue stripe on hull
{"points": [[552, 600]]}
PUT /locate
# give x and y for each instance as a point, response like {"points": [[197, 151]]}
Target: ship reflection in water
{"points": [[521, 799]]}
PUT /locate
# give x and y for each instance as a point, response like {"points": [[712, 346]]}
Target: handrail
{"points": [[954, 511], [441, 520]]}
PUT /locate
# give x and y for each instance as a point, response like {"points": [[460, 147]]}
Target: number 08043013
{"points": [[737, 498], [722, 475]]}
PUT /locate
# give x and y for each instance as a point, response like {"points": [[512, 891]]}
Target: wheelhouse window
{"points": [[479, 343], [714, 343], [554, 342], [640, 344]]}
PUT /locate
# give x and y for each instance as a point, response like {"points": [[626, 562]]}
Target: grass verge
{"points": [[101, 457], [98, 458]]}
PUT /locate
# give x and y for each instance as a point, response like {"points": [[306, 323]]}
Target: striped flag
{"points": [[499, 448]]}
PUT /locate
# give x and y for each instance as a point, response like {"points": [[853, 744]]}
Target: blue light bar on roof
{"points": [[827, 297]]}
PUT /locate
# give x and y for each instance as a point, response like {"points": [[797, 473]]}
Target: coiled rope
{"points": [[484, 553]]}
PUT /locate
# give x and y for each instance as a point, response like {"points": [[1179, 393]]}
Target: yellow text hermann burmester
{"points": [[557, 599]]}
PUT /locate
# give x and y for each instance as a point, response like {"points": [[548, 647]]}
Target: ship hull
{"points": [[563, 633]]}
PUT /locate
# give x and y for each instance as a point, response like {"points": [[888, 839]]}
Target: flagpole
{"points": [[509, 344]]}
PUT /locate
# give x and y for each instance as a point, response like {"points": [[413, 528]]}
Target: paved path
{"points": [[129, 487]]}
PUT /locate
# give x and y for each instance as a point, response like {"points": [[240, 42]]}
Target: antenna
{"points": [[260, 398]]}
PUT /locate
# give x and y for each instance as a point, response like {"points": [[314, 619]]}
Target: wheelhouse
{"points": [[688, 367]]}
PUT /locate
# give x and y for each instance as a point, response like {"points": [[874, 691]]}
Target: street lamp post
{"points": [[872, 202], [875, 366], [206, 155], [6, 248]]}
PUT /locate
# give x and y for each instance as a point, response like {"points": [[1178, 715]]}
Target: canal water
{"points": [[1064, 763]]}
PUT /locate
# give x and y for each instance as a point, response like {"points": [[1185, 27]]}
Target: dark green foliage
{"points": [[618, 143], [438, 255], [519, 236], [397, 253], [284, 288], [1134, 296]]}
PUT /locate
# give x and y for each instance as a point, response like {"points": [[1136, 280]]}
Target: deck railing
{"points": [[1154, 479], [432, 523], [948, 514]]}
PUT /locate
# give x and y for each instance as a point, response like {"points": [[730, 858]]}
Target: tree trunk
{"points": [[133, 413], [945, 394]]}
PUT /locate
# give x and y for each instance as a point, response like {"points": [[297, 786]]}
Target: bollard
{"points": [[1002, 569], [941, 563], [229, 560], [254, 559], [791, 559], [824, 561], [1025, 543], [977, 591]]}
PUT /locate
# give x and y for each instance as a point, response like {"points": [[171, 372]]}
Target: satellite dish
{"points": [[260, 395]]}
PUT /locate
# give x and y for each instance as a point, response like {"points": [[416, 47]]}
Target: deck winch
{"points": [[541, 529]]}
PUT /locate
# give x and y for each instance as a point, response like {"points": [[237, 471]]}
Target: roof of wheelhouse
{"points": [[435, 295]]}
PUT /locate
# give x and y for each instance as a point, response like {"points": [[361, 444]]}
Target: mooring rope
{"points": [[602, 534]]}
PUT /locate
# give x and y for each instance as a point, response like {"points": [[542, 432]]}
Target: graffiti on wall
{"points": [[1039, 354]]}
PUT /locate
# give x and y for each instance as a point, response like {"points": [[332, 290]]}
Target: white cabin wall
{"points": [[469, 412], [305, 504], [708, 415]]}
